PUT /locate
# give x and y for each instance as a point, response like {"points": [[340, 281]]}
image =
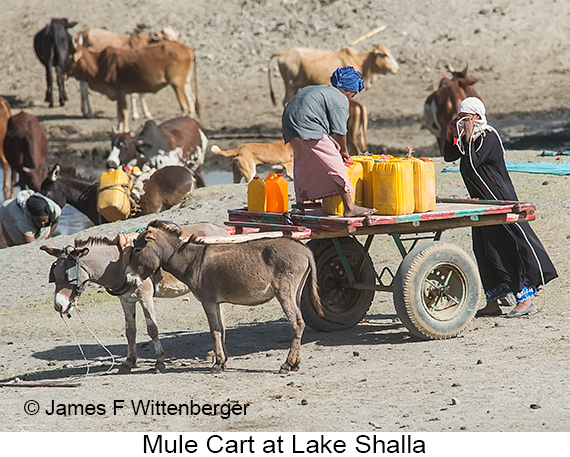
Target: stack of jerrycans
{"points": [[268, 196], [113, 199], [334, 205], [396, 186]]}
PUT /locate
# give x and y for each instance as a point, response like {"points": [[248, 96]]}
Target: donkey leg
{"points": [[147, 302], [131, 332], [293, 313], [215, 317]]}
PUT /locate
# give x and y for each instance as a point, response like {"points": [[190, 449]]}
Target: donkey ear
{"points": [[149, 236], [52, 250], [54, 173], [78, 253], [124, 241]]}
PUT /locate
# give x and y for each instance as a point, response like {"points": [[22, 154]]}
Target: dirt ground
{"points": [[498, 375]]}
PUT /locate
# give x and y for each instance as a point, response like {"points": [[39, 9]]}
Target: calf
{"points": [[26, 149], [52, 45], [441, 106]]}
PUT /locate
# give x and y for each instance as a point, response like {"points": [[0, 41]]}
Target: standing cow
{"points": [[116, 73], [441, 106], [4, 118], [26, 149], [52, 45], [302, 67], [98, 39]]}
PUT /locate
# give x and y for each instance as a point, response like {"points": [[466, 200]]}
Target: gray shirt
{"points": [[315, 111]]}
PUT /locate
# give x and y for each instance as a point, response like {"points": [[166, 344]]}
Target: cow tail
{"points": [[197, 104], [271, 93]]}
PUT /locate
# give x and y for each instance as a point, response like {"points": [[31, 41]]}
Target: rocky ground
{"points": [[499, 375]]}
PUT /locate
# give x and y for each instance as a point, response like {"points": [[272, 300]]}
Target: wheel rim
{"points": [[444, 291], [336, 295]]}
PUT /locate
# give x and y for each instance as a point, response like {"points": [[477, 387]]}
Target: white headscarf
{"points": [[472, 105]]}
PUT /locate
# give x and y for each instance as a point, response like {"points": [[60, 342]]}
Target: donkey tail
{"points": [[315, 298]]}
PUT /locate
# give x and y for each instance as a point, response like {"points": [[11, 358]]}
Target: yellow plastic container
{"points": [[424, 185], [367, 189], [276, 194], [113, 197], [334, 205], [256, 195], [393, 184]]}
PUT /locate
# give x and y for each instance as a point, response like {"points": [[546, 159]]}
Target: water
{"points": [[72, 221]]}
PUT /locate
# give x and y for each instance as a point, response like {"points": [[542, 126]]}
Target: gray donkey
{"points": [[248, 273]]}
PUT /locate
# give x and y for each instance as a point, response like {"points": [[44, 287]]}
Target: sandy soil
{"points": [[499, 375]]}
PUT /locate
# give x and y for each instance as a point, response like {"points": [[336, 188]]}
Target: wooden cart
{"points": [[436, 288]]}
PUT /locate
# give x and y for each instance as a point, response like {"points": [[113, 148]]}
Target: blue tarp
{"points": [[558, 168]]}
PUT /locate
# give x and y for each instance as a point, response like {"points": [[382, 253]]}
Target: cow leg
{"points": [[147, 302], [49, 84], [144, 107], [86, 109], [182, 97], [123, 113], [214, 313], [129, 310], [285, 294], [7, 170], [191, 99], [60, 85]]}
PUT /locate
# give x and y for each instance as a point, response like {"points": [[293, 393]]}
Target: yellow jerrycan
{"points": [[393, 183], [424, 184], [334, 205], [367, 189], [113, 202], [276, 194], [256, 195]]}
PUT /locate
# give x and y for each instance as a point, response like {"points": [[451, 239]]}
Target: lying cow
{"points": [[178, 141], [26, 149], [52, 45], [302, 67], [116, 73], [98, 39], [441, 106]]}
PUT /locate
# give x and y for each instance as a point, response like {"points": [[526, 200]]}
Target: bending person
{"points": [[510, 257], [315, 123]]}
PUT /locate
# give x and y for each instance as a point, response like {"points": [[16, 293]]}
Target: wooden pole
{"points": [[368, 35]]}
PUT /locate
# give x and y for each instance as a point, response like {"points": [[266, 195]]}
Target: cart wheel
{"points": [[343, 306], [436, 290]]}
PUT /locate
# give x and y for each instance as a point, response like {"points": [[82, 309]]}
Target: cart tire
{"points": [[436, 290], [343, 307]]}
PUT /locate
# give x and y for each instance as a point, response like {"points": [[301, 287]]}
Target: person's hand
{"points": [[451, 132], [345, 155], [469, 125]]}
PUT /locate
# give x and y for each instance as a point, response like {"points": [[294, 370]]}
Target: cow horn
{"points": [[26, 170]]}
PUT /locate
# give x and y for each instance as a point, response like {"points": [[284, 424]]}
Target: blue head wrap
{"points": [[347, 78]]}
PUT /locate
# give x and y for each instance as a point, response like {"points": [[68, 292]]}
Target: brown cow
{"points": [[302, 67], [4, 117], [441, 106], [26, 149], [116, 73], [357, 127], [98, 39]]}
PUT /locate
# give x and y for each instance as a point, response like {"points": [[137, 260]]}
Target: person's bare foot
{"points": [[358, 211]]}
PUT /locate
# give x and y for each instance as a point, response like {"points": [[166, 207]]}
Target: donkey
{"points": [[103, 261], [248, 273]]}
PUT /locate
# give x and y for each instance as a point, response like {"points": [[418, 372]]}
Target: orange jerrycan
{"points": [[113, 201], [393, 183], [424, 184], [334, 205], [276, 194], [256, 195]]}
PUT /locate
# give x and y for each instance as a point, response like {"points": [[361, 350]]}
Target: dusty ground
{"points": [[499, 375]]}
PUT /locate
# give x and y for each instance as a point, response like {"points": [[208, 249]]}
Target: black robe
{"points": [[508, 254]]}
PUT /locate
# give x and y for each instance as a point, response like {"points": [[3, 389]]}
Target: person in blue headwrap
{"points": [[315, 123]]}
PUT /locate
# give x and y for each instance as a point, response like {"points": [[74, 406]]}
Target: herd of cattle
{"points": [[117, 66]]}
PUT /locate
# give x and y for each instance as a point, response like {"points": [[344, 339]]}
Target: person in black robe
{"points": [[510, 257]]}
